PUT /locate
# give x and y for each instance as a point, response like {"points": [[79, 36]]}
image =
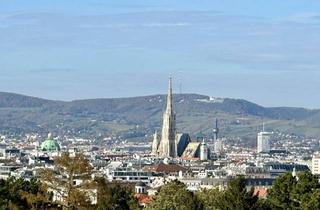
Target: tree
{"points": [[174, 196], [61, 181], [288, 192], [17, 194], [263, 204], [37, 196], [279, 195], [302, 191], [313, 202], [115, 196], [210, 198], [236, 196]]}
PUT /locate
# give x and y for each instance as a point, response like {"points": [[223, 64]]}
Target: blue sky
{"points": [[263, 51]]}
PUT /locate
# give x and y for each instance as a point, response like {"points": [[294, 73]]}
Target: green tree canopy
{"points": [[313, 202], [174, 196], [210, 199], [22, 194], [288, 192], [302, 191], [279, 195], [115, 196], [236, 196]]}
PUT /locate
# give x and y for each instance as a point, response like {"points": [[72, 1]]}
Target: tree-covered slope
{"points": [[140, 116]]}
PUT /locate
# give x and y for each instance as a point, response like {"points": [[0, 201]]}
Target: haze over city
{"points": [[263, 51]]}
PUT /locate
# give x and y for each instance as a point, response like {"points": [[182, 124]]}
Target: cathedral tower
{"points": [[155, 143], [167, 147]]}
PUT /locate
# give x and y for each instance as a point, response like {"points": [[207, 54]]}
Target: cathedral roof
{"points": [[191, 150]]}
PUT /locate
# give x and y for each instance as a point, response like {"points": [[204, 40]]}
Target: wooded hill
{"points": [[138, 117]]}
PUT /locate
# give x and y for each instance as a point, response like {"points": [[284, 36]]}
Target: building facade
{"points": [[316, 164], [263, 142]]}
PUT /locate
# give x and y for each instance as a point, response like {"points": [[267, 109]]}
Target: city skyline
{"points": [[264, 52]]}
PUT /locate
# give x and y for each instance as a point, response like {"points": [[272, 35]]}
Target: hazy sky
{"points": [[267, 52]]}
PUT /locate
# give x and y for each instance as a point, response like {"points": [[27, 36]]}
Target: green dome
{"points": [[50, 145]]}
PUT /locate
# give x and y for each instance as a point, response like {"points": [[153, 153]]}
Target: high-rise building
{"points": [[167, 147], [263, 142]]}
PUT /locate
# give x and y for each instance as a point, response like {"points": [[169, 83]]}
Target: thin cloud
{"points": [[52, 70]]}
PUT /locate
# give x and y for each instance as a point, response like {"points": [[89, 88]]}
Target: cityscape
{"points": [[199, 163], [129, 139]]}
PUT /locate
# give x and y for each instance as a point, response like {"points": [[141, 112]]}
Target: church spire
{"points": [[167, 147], [169, 96], [155, 143]]}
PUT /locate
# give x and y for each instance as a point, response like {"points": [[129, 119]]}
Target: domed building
{"points": [[50, 145]]}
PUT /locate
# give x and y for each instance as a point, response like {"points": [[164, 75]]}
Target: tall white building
{"points": [[316, 164], [263, 141], [203, 151]]}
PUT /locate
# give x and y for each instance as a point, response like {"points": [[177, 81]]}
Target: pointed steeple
{"points": [[167, 147], [155, 143], [169, 96]]}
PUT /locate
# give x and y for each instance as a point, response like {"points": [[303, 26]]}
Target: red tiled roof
{"points": [[261, 192], [168, 168], [144, 199]]}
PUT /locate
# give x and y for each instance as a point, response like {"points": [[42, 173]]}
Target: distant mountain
{"points": [[138, 117], [16, 100]]}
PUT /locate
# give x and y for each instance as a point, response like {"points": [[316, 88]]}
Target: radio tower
{"points": [[216, 131]]}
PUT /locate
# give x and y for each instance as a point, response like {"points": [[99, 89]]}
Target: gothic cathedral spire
{"points": [[167, 146]]}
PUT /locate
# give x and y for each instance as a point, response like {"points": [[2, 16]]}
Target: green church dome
{"points": [[50, 145]]}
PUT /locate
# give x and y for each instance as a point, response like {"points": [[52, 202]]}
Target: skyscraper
{"points": [[263, 141], [167, 147]]}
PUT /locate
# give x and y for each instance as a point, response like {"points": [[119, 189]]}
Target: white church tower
{"points": [[203, 151], [167, 147]]}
